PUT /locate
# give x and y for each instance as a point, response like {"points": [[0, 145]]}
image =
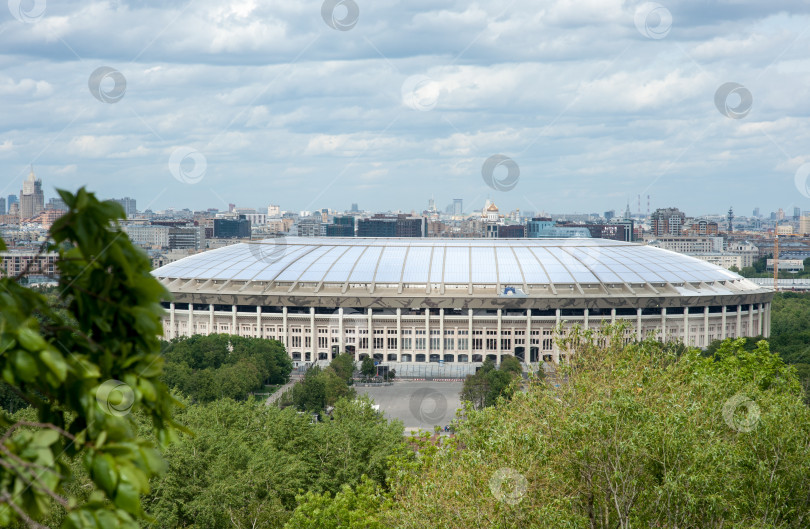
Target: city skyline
{"points": [[219, 103]]}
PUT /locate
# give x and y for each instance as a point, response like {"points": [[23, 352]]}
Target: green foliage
{"points": [[485, 387], [319, 388], [249, 462], [83, 368], [642, 435], [224, 366], [367, 368], [351, 508], [343, 365]]}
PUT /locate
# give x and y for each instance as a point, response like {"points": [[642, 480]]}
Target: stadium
{"points": [[453, 300]]}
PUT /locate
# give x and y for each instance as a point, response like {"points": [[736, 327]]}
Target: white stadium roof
{"points": [[407, 261]]}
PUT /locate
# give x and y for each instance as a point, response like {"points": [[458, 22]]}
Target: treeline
{"points": [[790, 333], [321, 388], [759, 269], [490, 383], [247, 463], [217, 366], [643, 435]]}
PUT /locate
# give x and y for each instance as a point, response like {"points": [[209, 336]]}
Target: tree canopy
{"points": [[220, 365], [643, 435], [84, 370]]}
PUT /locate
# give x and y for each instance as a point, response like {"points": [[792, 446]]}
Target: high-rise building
{"points": [[756, 212], [57, 204], [355, 209], [610, 214], [667, 221], [32, 200], [431, 204], [797, 213], [392, 226], [311, 226], [12, 199], [273, 211], [804, 223], [129, 206], [341, 227], [2, 206], [231, 228], [458, 207]]}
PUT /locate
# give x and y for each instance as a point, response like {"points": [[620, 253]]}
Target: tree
{"points": [[367, 368], [207, 367], [351, 508], [638, 435], [486, 386], [84, 377], [249, 465], [343, 365]]}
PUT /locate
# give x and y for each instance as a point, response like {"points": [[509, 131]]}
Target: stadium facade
{"points": [[454, 300]]}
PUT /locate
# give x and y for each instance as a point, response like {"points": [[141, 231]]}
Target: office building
{"points": [[32, 199]]}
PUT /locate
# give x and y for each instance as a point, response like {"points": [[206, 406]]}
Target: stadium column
{"points": [[723, 324], [527, 350], [211, 319], [258, 321], [686, 326], [706, 326], [370, 334], [441, 334], [399, 335], [171, 321], [613, 316], [663, 324], [738, 329], [759, 319], [639, 330], [313, 332], [341, 340], [190, 319], [586, 315], [498, 341], [750, 319], [427, 333], [284, 329], [470, 334], [234, 330]]}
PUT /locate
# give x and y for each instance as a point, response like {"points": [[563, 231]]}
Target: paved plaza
{"points": [[418, 404]]}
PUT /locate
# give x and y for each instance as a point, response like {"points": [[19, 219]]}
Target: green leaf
{"points": [[55, 362]]}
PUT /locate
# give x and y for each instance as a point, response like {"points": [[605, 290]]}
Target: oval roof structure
{"points": [[406, 261]]}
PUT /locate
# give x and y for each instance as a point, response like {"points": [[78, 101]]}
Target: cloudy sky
{"points": [[312, 104]]}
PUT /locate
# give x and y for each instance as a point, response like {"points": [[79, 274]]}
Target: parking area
{"points": [[418, 404]]}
